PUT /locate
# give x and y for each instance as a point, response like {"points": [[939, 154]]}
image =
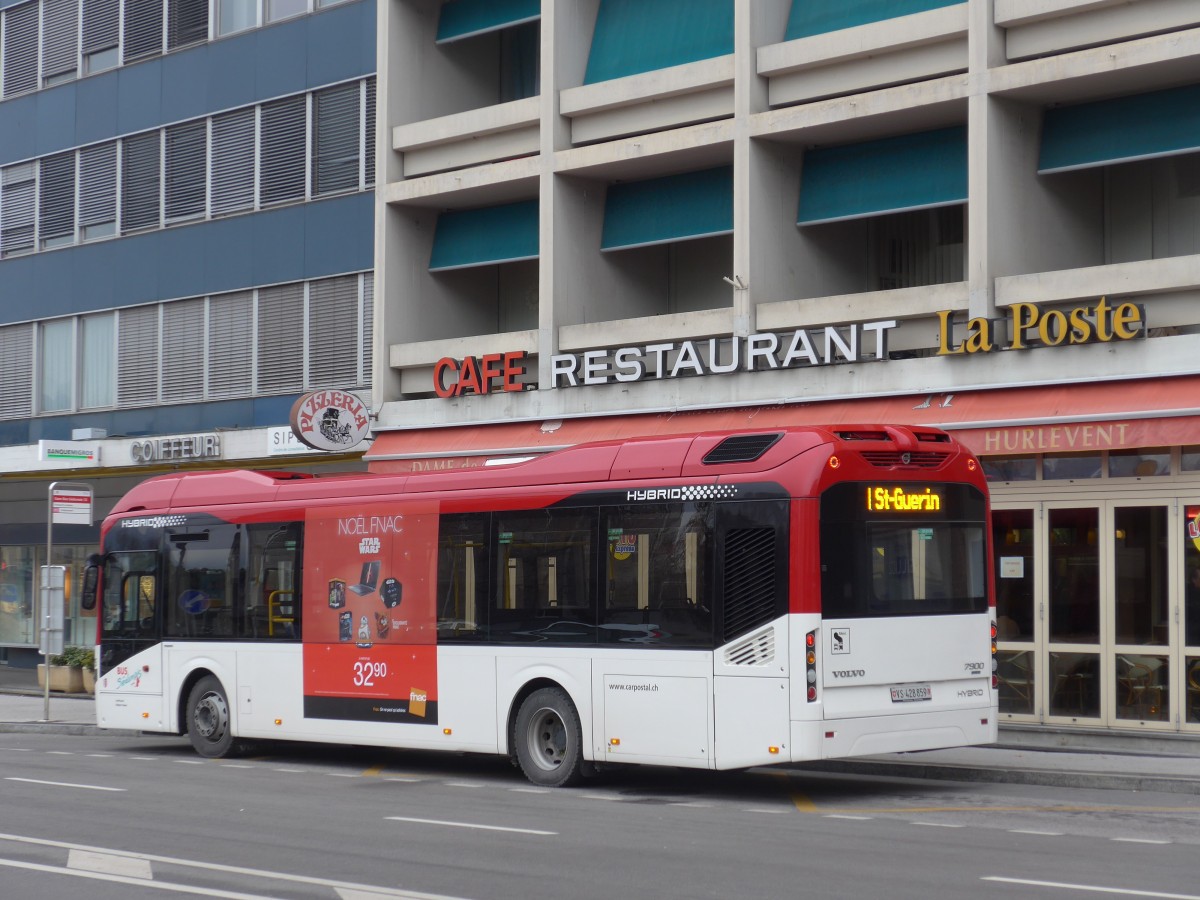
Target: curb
{"points": [[1040, 777], [71, 728]]}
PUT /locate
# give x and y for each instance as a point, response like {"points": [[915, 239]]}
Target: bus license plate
{"points": [[907, 693]]}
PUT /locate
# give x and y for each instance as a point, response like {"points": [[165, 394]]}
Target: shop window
{"points": [[1145, 463], [1010, 468], [1191, 588], [1189, 460], [1012, 542], [1072, 466]]}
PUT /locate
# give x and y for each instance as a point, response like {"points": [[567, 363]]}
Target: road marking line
{"points": [[1139, 841], [236, 766], [189, 762], [405, 779], [469, 825], [343, 774], [343, 887], [59, 753], [1035, 833], [373, 771], [804, 803], [1127, 892], [937, 824], [109, 864], [100, 755], [530, 790], [853, 818], [86, 787], [772, 812], [466, 784], [125, 879]]}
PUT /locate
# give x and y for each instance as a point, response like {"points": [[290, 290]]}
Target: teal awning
{"points": [[633, 36], [809, 17], [913, 171], [1143, 126], [464, 18], [483, 237], [673, 208]]}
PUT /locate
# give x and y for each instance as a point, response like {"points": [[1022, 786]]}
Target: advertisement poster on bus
{"points": [[370, 630]]}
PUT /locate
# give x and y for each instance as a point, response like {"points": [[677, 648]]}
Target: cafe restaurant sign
{"points": [[1027, 325]]}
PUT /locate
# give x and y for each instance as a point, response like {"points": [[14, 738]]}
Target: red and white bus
{"points": [[715, 600]]}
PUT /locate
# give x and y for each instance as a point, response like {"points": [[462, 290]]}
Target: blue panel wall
{"points": [[310, 240], [287, 58], [633, 36], [183, 418], [810, 17]]}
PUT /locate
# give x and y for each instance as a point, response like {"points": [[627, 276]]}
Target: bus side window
{"points": [[272, 582], [462, 577]]}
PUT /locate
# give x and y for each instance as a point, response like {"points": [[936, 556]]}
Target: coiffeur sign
{"points": [[330, 420]]}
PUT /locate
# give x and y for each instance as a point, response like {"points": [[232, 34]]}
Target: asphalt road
{"points": [[144, 817]]}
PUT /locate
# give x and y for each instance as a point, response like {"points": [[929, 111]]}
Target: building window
{"points": [[233, 161], [18, 187], [16, 371], [97, 363], [1143, 463], [236, 15], [60, 40], [1010, 468], [100, 34], [55, 354], [1064, 466], [143, 29], [20, 49], [98, 191], [336, 139], [285, 9], [282, 150], [187, 23], [186, 152], [56, 203], [141, 163]]}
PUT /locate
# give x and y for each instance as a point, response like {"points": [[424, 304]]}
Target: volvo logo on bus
{"points": [[849, 673]]}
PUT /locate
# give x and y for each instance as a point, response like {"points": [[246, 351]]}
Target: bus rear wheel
{"points": [[208, 723], [548, 740]]}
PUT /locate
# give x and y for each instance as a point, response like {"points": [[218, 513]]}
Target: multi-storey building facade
{"points": [[186, 192], [600, 217]]}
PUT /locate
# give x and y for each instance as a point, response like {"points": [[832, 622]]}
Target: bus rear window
{"points": [[902, 558]]}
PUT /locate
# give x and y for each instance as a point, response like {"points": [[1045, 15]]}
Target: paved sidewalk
{"points": [[1036, 756]]}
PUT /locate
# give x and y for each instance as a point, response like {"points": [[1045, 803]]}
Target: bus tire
{"points": [[547, 739], [208, 724]]}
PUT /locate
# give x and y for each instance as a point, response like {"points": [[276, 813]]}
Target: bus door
{"points": [[130, 678], [905, 619]]}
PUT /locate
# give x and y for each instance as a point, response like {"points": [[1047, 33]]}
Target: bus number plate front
{"points": [[908, 693]]}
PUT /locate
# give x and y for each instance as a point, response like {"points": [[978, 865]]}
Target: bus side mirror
{"points": [[89, 592]]}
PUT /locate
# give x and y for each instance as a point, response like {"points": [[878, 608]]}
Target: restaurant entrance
{"points": [[1092, 613]]}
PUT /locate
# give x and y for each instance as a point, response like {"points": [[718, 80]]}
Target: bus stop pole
{"points": [[45, 595]]}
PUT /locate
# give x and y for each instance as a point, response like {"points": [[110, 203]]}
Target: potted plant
{"points": [[66, 670]]}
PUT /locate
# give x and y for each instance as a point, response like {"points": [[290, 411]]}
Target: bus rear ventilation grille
{"points": [[756, 650], [741, 448], [863, 435], [922, 459]]}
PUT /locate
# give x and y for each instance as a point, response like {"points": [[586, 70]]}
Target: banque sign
{"points": [[1026, 326]]}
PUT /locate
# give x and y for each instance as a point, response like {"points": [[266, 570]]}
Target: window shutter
{"points": [[370, 135], [140, 178], [336, 141], [56, 204], [368, 328], [233, 161], [20, 49], [138, 355], [187, 23], [231, 345], [333, 332], [16, 371], [281, 339], [97, 185], [283, 150], [143, 29], [101, 21], [183, 351], [17, 187], [187, 147], [60, 37]]}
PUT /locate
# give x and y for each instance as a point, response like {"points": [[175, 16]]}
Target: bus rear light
{"points": [[810, 660], [834, 462], [830, 734], [972, 465], [995, 682]]}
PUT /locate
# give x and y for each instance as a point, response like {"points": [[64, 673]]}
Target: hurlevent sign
{"points": [[330, 420]]}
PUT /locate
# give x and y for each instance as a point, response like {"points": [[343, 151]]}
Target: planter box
{"points": [[63, 679]]}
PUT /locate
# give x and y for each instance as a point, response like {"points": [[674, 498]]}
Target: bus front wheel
{"points": [[548, 740], [208, 723]]}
